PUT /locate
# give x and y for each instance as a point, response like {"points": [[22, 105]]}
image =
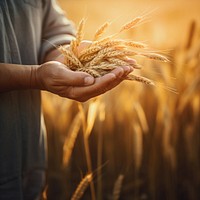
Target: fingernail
{"points": [[88, 80], [131, 69], [131, 61], [127, 69]]}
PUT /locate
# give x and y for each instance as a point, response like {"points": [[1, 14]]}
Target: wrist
{"points": [[35, 82], [18, 77]]}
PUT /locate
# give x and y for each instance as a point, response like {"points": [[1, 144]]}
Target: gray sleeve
{"points": [[56, 30]]}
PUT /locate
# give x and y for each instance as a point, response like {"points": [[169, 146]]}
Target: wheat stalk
{"points": [[70, 141]]}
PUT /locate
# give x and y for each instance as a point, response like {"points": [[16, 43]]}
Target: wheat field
{"points": [[136, 142]]}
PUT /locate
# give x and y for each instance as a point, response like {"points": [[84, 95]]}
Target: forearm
{"points": [[16, 77], [55, 55]]}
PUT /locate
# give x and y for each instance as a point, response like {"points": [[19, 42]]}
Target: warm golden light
{"points": [[148, 136]]}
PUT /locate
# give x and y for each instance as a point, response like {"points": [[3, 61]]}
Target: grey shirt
{"points": [[28, 28]]}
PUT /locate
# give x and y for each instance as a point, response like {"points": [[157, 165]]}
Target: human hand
{"points": [[55, 77]]}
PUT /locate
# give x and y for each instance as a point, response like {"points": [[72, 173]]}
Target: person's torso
{"points": [[20, 111]]}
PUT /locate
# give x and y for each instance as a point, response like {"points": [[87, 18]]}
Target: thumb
{"points": [[77, 78]]}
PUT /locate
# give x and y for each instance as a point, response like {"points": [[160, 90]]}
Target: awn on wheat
{"points": [[105, 54]]}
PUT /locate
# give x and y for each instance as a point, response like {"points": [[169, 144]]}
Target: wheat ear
{"points": [[135, 44], [79, 34], [92, 72], [82, 187], [71, 57], [101, 54], [130, 24], [155, 56], [133, 77], [101, 31], [73, 46], [89, 51], [117, 187]]}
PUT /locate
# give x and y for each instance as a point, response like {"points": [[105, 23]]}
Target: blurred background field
{"points": [[148, 136]]}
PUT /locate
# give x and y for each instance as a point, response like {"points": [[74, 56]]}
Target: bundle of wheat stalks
{"points": [[104, 55]]}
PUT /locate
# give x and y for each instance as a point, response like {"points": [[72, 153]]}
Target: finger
{"points": [[107, 82], [101, 85], [131, 61], [60, 58]]}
